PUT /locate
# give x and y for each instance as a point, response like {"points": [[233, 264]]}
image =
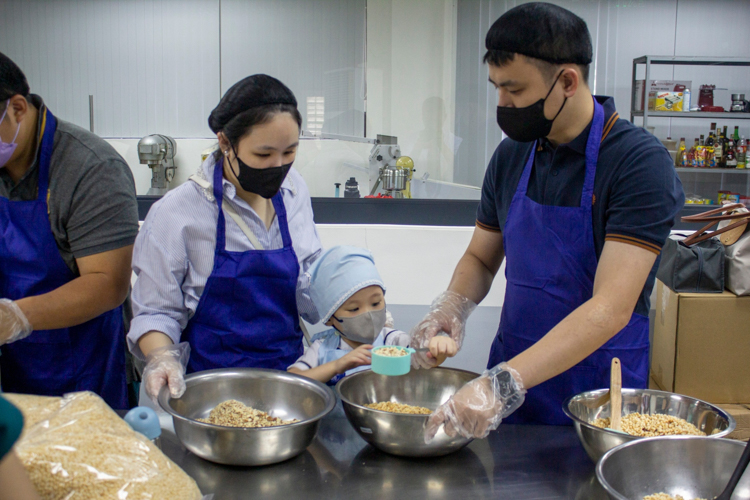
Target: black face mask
{"points": [[529, 123], [265, 182]]}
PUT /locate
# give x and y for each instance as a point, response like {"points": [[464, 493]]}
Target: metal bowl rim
{"points": [[730, 420], [638, 442], [330, 398], [410, 415]]}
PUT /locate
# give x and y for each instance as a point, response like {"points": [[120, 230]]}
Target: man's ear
{"points": [[570, 80], [18, 108]]}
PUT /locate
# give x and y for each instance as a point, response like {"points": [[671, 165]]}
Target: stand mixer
{"points": [[397, 179], [157, 151], [387, 167]]}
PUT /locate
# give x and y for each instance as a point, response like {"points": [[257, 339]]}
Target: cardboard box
{"points": [[665, 88], [741, 414], [701, 345]]}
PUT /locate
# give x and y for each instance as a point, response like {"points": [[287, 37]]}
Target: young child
{"points": [[350, 297]]}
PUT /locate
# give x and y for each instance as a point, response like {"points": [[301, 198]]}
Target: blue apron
{"points": [[86, 357], [330, 351], [247, 315], [550, 272]]}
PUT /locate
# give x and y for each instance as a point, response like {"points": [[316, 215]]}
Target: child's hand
{"points": [[442, 347], [358, 357]]}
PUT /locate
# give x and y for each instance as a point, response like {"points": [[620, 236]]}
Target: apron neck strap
{"points": [[221, 225], [592, 154], [278, 205], [47, 134]]}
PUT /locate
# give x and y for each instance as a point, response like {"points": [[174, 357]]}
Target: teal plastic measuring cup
{"points": [[392, 365]]}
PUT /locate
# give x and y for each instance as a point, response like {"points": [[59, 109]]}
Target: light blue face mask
{"points": [[363, 328], [7, 149]]}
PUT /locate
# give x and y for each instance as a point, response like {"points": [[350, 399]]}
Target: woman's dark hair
{"points": [[12, 80], [249, 102]]}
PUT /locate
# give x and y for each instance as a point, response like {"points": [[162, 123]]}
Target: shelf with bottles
{"points": [[721, 151]]}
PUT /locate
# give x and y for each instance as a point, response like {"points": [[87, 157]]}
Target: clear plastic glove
{"points": [[13, 323], [388, 319], [448, 313], [479, 406], [166, 366]]}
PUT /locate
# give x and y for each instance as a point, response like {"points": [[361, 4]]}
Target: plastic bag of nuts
{"points": [[76, 447]]}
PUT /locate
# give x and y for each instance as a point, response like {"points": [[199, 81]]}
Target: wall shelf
{"points": [[693, 60], [704, 170], [693, 114], [680, 61]]}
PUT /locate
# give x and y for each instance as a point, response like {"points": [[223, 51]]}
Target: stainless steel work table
{"points": [[515, 462]]}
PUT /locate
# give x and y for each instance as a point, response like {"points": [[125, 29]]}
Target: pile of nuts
{"points": [[232, 413], [665, 496], [641, 425], [399, 408], [391, 352]]}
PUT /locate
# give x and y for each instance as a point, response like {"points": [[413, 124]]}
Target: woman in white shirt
{"points": [[216, 291]]}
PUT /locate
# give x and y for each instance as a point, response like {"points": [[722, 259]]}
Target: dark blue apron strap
{"points": [[278, 205], [49, 125], [592, 154], [523, 184], [221, 225]]}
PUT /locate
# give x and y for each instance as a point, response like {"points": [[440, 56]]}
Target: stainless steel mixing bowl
{"points": [[708, 418], [398, 433], [691, 466], [279, 393]]}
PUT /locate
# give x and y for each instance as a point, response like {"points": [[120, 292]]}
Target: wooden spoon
{"points": [[615, 389]]}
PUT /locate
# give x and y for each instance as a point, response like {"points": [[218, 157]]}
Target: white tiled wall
{"points": [[415, 262]]}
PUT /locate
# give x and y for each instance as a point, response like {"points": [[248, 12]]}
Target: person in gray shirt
{"points": [[68, 221]]}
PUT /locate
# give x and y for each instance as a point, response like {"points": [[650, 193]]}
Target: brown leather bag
{"points": [[725, 213], [697, 263]]}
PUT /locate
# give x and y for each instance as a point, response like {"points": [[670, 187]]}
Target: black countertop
{"points": [[515, 462], [409, 212]]}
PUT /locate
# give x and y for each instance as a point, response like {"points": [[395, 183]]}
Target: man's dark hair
{"points": [[12, 80], [548, 34]]}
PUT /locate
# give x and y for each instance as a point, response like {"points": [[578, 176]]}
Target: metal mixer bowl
{"points": [[691, 466], [279, 393], [399, 433], [708, 418]]}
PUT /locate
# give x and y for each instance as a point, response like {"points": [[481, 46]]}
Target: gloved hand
{"points": [[448, 313], [479, 406], [13, 323], [166, 365]]}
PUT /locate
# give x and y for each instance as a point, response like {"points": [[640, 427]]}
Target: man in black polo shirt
{"points": [[580, 202]]}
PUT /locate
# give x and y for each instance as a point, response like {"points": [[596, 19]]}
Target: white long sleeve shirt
{"points": [[174, 251]]}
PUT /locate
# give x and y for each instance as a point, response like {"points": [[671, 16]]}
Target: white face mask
{"points": [[363, 328]]}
